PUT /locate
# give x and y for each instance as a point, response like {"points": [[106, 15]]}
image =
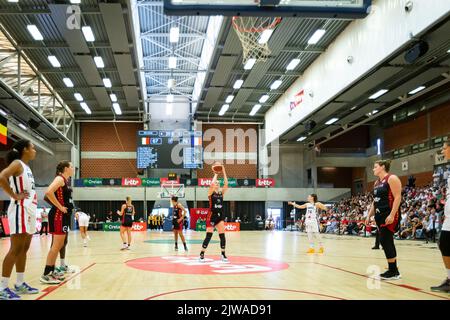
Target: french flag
{"points": [[146, 141]]}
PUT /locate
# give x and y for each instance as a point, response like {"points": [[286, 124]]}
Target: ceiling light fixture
{"points": [[293, 64], [99, 62], [88, 34], [78, 96], [418, 89], [172, 62], [378, 94], [265, 36], [68, 82], [54, 61], [264, 98], [331, 121], [107, 82], [316, 36], [276, 84], [35, 33], [174, 35], [229, 99], [223, 109], [116, 108], [255, 109], [249, 64], [238, 84]]}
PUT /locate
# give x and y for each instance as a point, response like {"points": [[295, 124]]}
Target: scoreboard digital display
{"points": [[169, 149]]}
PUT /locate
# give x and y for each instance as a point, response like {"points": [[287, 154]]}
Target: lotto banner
{"points": [[139, 226], [195, 214], [131, 182], [232, 226], [265, 183], [202, 182]]}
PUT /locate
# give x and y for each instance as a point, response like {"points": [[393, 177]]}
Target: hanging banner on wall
{"points": [[167, 180], [232, 226], [265, 183], [195, 214], [131, 182], [92, 182], [246, 182], [298, 99], [206, 182], [151, 182], [189, 182], [112, 182]]}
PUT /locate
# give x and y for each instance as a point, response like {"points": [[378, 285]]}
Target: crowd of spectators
{"points": [[421, 213]]}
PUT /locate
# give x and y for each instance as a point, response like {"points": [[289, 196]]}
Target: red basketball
{"points": [[216, 167]]}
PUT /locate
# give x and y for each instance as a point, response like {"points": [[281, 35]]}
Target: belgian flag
{"points": [[3, 130]]}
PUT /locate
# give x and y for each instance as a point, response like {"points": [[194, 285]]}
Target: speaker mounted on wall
{"points": [[33, 124], [416, 51]]}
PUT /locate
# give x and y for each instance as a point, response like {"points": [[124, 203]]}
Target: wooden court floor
{"points": [[263, 265]]}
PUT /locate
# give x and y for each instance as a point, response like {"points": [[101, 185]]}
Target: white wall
{"points": [[387, 28], [291, 173], [44, 165]]}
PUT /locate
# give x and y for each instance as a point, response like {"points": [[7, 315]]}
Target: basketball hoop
{"points": [[249, 31], [171, 188]]}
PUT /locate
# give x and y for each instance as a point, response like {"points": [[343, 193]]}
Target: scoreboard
{"points": [[169, 149]]}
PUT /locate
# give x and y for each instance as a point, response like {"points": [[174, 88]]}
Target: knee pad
{"points": [[222, 240], [207, 239]]}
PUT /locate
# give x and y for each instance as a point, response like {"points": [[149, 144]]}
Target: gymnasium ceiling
{"points": [[122, 44]]}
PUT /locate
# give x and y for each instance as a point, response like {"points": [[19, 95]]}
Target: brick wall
{"points": [[406, 133], [95, 137], [339, 177], [416, 130], [246, 170], [422, 179]]}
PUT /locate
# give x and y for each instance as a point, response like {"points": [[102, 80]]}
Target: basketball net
{"points": [[249, 31]]}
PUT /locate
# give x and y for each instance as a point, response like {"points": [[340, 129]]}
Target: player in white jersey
{"points": [[312, 221], [18, 182], [83, 223], [444, 239]]}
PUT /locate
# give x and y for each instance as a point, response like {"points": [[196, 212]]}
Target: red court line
{"points": [[394, 284], [258, 288], [50, 289]]}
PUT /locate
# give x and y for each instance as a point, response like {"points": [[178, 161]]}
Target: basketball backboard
{"points": [[344, 9], [171, 188]]}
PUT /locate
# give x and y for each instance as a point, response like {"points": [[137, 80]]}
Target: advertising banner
{"points": [[115, 226], [261, 183], [206, 182], [195, 214], [232, 226], [92, 182], [150, 182], [131, 182]]}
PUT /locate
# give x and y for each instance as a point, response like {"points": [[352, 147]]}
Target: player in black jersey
{"points": [[215, 218], [127, 213], [387, 196], [59, 194], [178, 214], [444, 238]]}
